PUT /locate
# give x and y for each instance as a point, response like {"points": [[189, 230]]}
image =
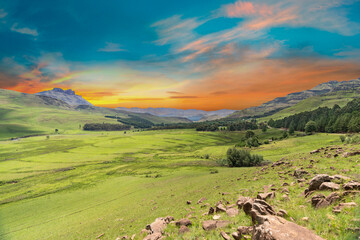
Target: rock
{"points": [[277, 228], [212, 224], [188, 202], [352, 185], [285, 190], [224, 235], [244, 230], [315, 151], [183, 229], [158, 226], [320, 201], [225, 193], [211, 210], [339, 208], [220, 208], [154, 236], [258, 207], [285, 184], [241, 201], [318, 180], [265, 196], [349, 154], [209, 225], [232, 212], [278, 163], [145, 231], [201, 200], [305, 219], [216, 217], [282, 213], [285, 197], [169, 219], [316, 199], [133, 237], [329, 186], [299, 173], [183, 222], [236, 236]]}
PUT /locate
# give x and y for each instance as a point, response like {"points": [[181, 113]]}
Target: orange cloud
{"points": [[241, 9]]}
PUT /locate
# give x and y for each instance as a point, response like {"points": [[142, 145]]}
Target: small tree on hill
{"points": [[242, 158], [310, 127]]}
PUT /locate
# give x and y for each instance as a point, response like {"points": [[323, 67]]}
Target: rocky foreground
{"points": [[267, 223]]}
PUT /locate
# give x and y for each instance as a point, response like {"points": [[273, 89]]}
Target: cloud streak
{"points": [[24, 30]]}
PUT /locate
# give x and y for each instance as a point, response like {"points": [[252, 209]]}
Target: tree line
{"points": [[105, 127], [324, 119]]}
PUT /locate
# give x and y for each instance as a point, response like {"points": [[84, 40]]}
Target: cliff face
{"points": [[67, 96]]}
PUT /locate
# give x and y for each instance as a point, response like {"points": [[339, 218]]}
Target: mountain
{"points": [[282, 103], [67, 96], [24, 114], [191, 114]]}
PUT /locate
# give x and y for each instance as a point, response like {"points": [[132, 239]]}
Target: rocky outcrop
{"points": [[277, 228]]}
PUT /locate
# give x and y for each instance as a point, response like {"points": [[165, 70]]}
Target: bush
{"points": [[266, 142], [342, 138], [310, 127], [242, 158]]}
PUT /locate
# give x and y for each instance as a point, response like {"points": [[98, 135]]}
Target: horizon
{"points": [[219, 55], [211, 110]]}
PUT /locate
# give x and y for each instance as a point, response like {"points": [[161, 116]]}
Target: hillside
{"points": [[191, 114], [340, 98], [281, 103], [26, 114]]}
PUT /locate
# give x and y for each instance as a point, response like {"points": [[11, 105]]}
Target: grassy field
{"points": [[78, 186]]}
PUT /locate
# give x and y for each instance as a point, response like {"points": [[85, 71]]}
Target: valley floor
{"points": [[81, 186]]}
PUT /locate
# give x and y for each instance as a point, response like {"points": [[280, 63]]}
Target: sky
{"points": [[209, 55]]}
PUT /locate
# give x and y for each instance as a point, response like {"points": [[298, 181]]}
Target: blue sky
{"points": [[184, 54]]}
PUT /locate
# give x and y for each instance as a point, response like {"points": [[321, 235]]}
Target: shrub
{"points": [[242, 158], [266, 142], [342, 138], [310, 127]]}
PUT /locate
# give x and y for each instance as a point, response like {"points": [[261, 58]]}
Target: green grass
{"points": [[25, 114], [78, 186]]}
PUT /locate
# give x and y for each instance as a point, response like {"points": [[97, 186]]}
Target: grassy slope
{"points": [[328, 100], [25, 114], [80, 186]]}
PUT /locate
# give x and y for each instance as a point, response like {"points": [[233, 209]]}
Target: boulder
{"points": [[329, 186], [265, 196], [318, 180], [277, 228], [211, 210], [236, 236], [282, 213], [183, 229], [241, 201], [352, 185], [183, 222], [158, 226], [220, 208], [232, 212], [154, 236], [224, 235]]}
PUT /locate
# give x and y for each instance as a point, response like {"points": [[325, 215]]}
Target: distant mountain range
{"points": [[67, 96], [191, 114], [291, 99]]}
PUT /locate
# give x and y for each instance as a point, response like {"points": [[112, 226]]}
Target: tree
{"points": [[264, 128], [310, 127], [291, 128], [285, 134], [242, 158], [249, 134]]}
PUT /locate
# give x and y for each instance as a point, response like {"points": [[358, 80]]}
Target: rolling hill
{"points": [[282, 104], [191, 114], [24, 114]]}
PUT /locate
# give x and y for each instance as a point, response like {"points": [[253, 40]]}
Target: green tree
{"points": [[249, 134], [310, 127]]}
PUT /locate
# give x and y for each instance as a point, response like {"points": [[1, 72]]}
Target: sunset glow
{"points": [[225, 54]]}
